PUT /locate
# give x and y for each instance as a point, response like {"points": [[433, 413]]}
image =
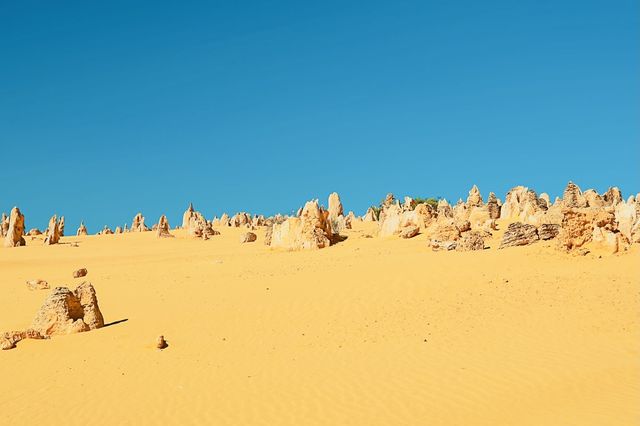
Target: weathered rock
{"points": [[444, 230], [572, 197], [578, 226], [472, 240], [161, 343], [224, 220], [65, 312], [37, 284], [4, 225], [370, 215], [593, 199], [463, 226], [61, 226], [248, 237], [443, 245], [79, 273], [444, 209], [605, 240], [335, 206], [82, 230], [105, 231], [626, 216], [519, 234], [15, 231], [119, 230], [267, 235], [9, 339], [199, 227], [33, 232], [138, 224], [388, 200], [390, 222], [544, 197], [475, 198], [162, 229], [52, 235], [309, 231], [240, 219], [409, 231], [493, 206], [186, 217], [548, 231], [522, 204], [612, 197], [409, 204]]}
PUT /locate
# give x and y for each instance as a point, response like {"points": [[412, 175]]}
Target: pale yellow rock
{"points": [[15, 230]]}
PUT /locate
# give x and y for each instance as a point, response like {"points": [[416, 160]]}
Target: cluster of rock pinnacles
{"points": [[578, 221]]}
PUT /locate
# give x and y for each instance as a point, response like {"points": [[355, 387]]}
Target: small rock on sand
{"points": [[79, 273], [37, 284], [161, 343]]}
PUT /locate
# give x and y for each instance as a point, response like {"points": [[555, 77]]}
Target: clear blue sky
{"points": [[110, 108]]}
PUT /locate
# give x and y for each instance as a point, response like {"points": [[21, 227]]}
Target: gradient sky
{"points": [[110, 108]]}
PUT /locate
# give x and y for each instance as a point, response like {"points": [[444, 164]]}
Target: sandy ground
{"points": [[368, 332]]}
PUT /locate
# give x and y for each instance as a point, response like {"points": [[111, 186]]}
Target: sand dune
{"points": [[366, 332]]}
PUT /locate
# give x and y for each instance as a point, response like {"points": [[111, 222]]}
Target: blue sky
{"points": [[110, 108]]}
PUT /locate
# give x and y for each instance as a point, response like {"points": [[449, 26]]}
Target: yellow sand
{"points": [[368, 332]]}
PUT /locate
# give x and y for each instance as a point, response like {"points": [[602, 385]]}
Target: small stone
{"points": [[82, 272], [161, 343], [409, 231], [248, 237], [37, 284]]}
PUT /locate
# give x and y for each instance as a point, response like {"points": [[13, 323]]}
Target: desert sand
{"points": [[370, 331]]}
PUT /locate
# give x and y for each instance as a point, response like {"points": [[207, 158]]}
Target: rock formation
{"points": [[248, 237], [79, 273], [572, 197], [493, 205], [475, 198], [37, 284], [548, 231], [612, 197], [589, 229], [52, 235], [82, 230], [309, 231], [370, 215], [162, 229], [472, 240], [105, 231], [224, 219], [522, 204], [9, 339], [161, 343], [186, 217], [61, 226], [137, 225], [519, 234], [409, 231], [65, 311], [4, 225], [15, 230]]}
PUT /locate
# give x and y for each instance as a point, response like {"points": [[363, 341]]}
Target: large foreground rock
{"points": [[65, 311]]}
